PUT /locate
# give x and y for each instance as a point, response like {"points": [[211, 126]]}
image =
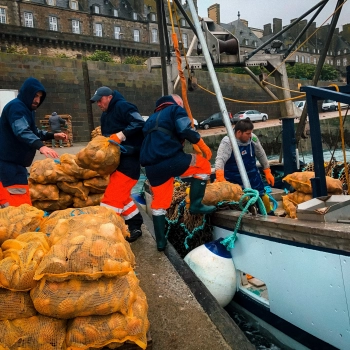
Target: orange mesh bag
{"points": [[64, 201], [15, 305], [99, 155], [70, 167], [76, 189], [50, 222], [298, 197], [92, 200], [75, 298], [40, 192], [21, 258], [17, 220], [47, 171], [301, 182], [289, 207], [88, 247], [112, 330], [33, 333], [1, 255], [222, 191], [97, 184]]}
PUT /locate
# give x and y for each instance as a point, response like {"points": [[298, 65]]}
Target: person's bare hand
{"points": [[61, 136], [48, 152]]}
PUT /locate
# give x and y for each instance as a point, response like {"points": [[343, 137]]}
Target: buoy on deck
{"points": [[213, 265]]}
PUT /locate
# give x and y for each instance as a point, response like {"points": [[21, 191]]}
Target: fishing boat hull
{"points": [[305, 266]]}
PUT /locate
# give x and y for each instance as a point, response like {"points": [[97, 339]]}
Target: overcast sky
{"points": [[260, 12]]}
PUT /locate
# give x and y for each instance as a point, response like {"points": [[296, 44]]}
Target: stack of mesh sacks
{"points": [[73, 283], [73, 180], [300, 181]]}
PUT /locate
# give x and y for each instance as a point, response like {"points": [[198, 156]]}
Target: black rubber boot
{"points": [[134, 225], [159, 231], [196, 195]]}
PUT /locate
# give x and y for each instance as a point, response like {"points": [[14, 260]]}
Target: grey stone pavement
{"points": [[182, 313]]}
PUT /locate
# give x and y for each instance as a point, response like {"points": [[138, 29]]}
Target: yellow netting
{"points": [[33, 333], [65, 200], [111, 330], [76, 189], [75, 297], [46, 171], [99, 155], [298, 197], [70, 167], [289, 207], [92, 199], [17, 220], [15, 305], [301, 182], [39, 192], [21, 257], [109, 215], [87, 247], [97, 184], [217, 192]]}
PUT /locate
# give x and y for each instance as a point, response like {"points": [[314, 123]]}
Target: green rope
{"points": [[254, 197], [194, 231]]}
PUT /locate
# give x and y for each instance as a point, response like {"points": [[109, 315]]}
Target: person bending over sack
{"points": [[163, 157]]}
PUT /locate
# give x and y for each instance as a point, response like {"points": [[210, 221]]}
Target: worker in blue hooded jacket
{"points": [[122, 123], [163, 157], [20, 139]]}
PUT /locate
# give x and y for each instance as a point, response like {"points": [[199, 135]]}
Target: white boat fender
{"points": [[213, 265]]}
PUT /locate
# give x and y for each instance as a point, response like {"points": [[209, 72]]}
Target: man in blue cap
{"points": [[122, 123]]}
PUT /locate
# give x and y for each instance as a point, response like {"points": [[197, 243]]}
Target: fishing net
{"points": [[186, 231], [36, 332], [21, 257], [300, 181], [40, 192], [111, 330], [73, 298], [99, 155], [15, 305], [76, 189], [17, 220], [70, 167], [87, 247]]}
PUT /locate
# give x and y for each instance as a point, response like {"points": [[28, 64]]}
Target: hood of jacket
{"points": [[28, 91], [117, 96], [164, 102]]}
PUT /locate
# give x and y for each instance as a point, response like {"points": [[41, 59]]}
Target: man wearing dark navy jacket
{"points": [[20, 139], [122, 123]]}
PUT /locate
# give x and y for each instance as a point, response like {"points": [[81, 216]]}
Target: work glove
{"points": [[269, 177], [204, 148], [220, 175], [119, 137]]}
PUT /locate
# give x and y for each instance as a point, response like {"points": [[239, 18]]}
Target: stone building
{"points": [[68, 28]]}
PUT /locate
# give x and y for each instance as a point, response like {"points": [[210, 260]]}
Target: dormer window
{"points": [[115, 13], [134, 16], [96, 9], [153, 17], [73, 4], [183, 22], [51, 2]]}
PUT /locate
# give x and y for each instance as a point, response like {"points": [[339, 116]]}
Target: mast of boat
{"points": [[219, 96]]}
